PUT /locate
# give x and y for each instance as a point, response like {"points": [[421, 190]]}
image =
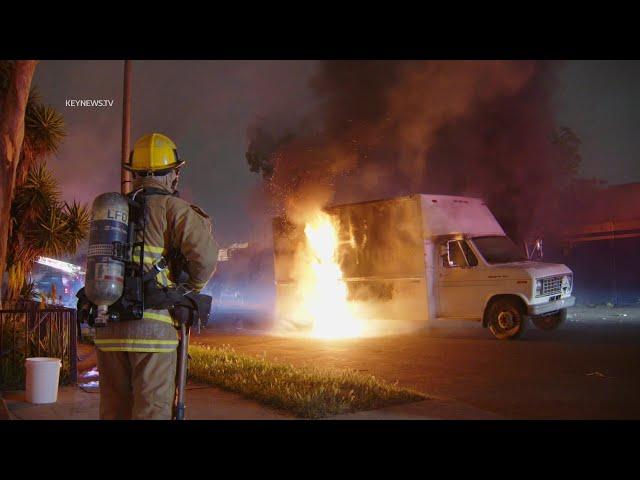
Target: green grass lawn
{"points": [[309, 392]]}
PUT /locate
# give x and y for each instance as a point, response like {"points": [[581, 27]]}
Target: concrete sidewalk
{"points": [[203, 403], [209, 403]]}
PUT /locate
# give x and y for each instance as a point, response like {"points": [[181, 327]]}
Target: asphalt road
{"points": [[587, 369]]}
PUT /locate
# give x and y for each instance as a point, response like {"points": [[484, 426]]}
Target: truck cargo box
{"points": [[386, 251]]}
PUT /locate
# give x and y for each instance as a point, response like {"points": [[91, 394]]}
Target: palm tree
{"points": [[44, 131], [42, 225]]}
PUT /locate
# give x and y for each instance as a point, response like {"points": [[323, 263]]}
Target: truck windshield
{"points": [[499, 249]]}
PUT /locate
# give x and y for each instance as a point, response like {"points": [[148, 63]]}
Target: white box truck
{"points": [[421, 257]]}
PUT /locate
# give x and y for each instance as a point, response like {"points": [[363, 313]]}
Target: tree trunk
{"points": [[11, 136]]}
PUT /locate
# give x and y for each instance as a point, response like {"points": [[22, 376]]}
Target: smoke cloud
{"points": [[386, 128]]}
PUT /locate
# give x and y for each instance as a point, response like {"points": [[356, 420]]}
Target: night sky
{"points": [[207, 106], [600, 100]]}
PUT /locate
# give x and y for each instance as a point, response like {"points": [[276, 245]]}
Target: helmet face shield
{"points": [[157, 173]]}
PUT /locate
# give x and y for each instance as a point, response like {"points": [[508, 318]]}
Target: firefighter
{"points": [[137, 358]]}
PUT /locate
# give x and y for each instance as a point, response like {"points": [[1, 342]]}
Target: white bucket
{"points": [[43, 375]]}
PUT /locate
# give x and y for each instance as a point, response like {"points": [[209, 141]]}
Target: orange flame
{"points": [[321, 290]]}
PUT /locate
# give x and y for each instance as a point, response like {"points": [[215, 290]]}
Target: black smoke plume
{"points": [[386, 128]]}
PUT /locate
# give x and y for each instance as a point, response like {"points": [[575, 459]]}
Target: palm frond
{"points": [[35, 98], [44, 130], [36, 195], [48, 235], [50, 227], [76, 224]]}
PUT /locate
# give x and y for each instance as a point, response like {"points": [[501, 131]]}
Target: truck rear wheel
{"points": [[506, 319], [550, 322]]}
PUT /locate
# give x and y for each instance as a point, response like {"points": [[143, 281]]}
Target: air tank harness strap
{"points": [[158, 267]]}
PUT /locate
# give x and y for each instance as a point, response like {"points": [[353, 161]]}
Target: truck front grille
{"points": [[551, 285]]}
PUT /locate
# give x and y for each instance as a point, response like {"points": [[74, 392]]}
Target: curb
{"points": [[432, 408]]}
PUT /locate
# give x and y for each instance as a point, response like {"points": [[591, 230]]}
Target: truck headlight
{"points": [[567, 283], [538, 287]]}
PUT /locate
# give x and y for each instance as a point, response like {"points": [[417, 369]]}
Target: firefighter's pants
{"points": [[137, 385]]}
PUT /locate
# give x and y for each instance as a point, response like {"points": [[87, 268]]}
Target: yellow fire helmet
{"points": [[152, 153]]}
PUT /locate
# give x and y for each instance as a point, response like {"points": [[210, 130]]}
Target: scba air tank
{"points": [[105, 272]]}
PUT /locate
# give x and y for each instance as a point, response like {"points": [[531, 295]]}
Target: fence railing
{"points": [[28, 330]]}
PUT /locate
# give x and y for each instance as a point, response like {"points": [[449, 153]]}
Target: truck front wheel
{"points": [[550, 322], [506, 319]]}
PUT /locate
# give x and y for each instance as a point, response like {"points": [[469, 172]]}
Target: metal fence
{"points": [[28, 330]]}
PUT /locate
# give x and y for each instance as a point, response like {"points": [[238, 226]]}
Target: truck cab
{"points": [[488, 278]]}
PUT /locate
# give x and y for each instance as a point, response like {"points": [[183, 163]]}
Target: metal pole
{"points": [[613, 262], [73, 350], [183, 359], [125, 175]]}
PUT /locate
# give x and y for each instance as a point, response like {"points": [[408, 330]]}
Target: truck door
{"points": [[457, 281]]}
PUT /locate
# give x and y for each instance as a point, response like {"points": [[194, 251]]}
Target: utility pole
{"points": [[125, 175]]}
